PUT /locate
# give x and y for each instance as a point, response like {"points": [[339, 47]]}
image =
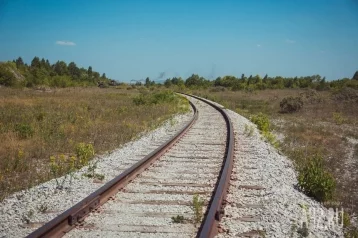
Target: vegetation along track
{"points": [[165, 194]]}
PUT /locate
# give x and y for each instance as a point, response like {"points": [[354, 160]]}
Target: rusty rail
{"points": [[63, 223], [215, 211]]}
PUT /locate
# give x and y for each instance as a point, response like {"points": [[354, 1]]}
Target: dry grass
{"points": [[35, 125], [324, 125]]}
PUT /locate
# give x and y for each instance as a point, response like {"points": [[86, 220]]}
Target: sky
{"points": [[133, 39]]}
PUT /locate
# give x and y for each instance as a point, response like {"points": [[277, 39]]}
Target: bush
{"points": [[314, 181], [291, 104], [24, 130], [262, 122], [84, 152], [146, 98], [346, 94], [311, 96]]}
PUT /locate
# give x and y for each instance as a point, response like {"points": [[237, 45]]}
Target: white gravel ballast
{"points": [[25, 211], [263, 200]]}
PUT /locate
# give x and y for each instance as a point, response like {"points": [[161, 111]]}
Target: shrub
{"points": [[146, 98], [346, 94], [24, 130], [291, 104], [262, 122], [84, 152], [338, 118], [311, 96], [314, 181]]}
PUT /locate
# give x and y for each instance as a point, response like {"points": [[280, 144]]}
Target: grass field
{"points": [[68, 123], [326, 125]]}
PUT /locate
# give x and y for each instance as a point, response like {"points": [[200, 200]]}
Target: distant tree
{"points": [[60, 68], [89, 72], [177, 81], [48, 66], [35, 63], [147, 82], [265, 78], [96, 76], [195, 80], [103, 76], [168, 83], [74, 71], [19, 62], [43, 63], [355, 76]]}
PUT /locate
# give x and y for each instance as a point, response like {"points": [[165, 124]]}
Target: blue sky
{"points": [[134, 39]]}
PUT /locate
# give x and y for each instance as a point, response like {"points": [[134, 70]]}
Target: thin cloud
{"points": [[290, 41], [258, 45], [66, 43]]}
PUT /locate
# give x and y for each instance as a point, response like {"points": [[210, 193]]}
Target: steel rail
{"points": [[214, 213], [67, 220]]}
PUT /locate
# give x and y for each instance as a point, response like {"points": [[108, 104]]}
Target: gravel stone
{"points": [[280, 208]]}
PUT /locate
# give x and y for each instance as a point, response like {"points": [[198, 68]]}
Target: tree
{"points": [[19, 62], [96, 76], [60, 68], [43, 63], [167, 83], [103, 76], [35, 63], [147, 82], [355, 76], [89, 72], [7, 77], [195, 80], [74, 71]]}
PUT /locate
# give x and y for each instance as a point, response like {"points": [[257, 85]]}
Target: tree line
{"points": [[256, 82], [16, 73]]}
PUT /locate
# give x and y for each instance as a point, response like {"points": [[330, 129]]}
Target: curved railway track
{"points": [[141, 200]]}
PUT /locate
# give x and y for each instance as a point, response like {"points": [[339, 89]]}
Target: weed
{"points": [[91, 171], [28, 216], [351, 232], [173, 121], [293, 230], [197, 207], [271, 138], [42, 208], [84, 152], [303, 231], [24, 130], [315, 181], [262, 122], [178, 219], [249, 130], [338, 118]]}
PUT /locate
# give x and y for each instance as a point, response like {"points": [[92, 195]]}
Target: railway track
{"points": [[142, 201]]}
